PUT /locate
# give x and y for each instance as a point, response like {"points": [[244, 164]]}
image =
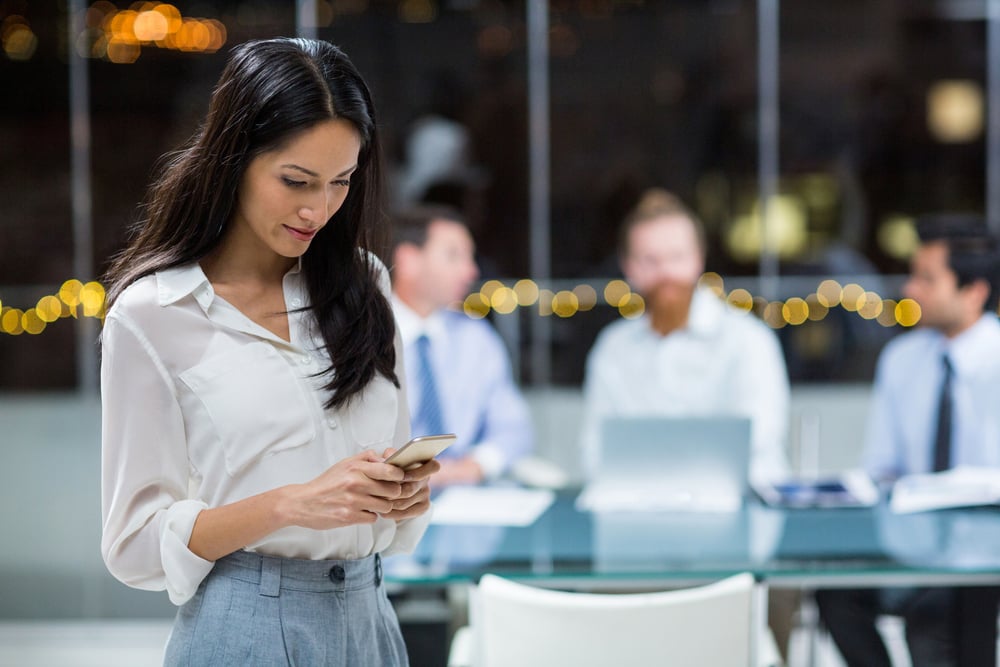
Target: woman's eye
{"points": [[344, 183], [292, 183]]}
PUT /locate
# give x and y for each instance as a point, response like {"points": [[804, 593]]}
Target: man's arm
{"points": [[506, 433], [881, 456]]}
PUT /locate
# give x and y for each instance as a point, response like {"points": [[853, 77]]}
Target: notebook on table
{"points": [[670, 464]]}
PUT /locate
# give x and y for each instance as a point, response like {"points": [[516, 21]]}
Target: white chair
{"points": [[514, 625]]}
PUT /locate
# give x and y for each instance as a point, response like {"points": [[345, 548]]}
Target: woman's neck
{"points": [[233, 261]]}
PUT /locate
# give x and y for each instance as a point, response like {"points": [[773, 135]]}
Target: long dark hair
{"points": [[269, 91]]}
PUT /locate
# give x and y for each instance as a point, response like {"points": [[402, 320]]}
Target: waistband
{"points": [[274, 574]]}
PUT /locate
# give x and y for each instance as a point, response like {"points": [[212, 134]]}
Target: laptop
{"points": [[670, 463]]}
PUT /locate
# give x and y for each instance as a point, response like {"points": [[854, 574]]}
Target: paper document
{"points": [[958, 487], [490, 506]]}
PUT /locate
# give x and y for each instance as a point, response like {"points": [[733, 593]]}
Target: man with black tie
{"points": [[936, 405]]}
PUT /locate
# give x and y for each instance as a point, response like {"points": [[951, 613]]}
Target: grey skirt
{"points": [[264, 611]]}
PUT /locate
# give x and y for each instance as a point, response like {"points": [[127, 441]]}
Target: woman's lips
{"points": [[301, 234]]}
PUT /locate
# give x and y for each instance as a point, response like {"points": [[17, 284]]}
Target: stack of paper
{"points": [[490, 506], [959, 487]]}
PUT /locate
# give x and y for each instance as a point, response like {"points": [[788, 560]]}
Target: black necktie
{"points": [[942, 439]]}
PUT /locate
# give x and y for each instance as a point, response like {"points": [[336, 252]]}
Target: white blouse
{"points": [[203, 407]]}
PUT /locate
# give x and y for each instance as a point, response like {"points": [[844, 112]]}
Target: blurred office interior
{"points": [[806, 134]]}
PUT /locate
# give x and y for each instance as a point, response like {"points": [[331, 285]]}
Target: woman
{"points": [[251, 378]]}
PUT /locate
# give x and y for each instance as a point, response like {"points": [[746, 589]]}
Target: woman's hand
{"points": [[353, 491], [415, 495]]}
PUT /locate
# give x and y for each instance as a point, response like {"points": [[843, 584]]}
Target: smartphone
{"points": [[420, 450]]}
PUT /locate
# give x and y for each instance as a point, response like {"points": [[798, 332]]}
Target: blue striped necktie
{"points": [[428, 420]]}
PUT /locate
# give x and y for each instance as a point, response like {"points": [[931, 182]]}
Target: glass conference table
{"points": [[786, 548]]}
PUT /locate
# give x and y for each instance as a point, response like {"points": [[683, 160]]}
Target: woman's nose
{"points": [[317, 209]]}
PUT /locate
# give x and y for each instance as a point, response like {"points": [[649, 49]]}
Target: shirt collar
{"points": [[178, 282], [968, 350], [707, 311], [412, 326]]}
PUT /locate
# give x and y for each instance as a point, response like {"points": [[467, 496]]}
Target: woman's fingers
{"points": [[427, 469]]}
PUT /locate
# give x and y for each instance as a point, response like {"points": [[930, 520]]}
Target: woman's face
{"points": [[288, 194]]}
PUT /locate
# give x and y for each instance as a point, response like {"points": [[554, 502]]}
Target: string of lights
{"points": [[497, 297], [76, 299]]}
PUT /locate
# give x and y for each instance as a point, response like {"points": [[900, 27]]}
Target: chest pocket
{"points": [[256, 404], [373, 414]]}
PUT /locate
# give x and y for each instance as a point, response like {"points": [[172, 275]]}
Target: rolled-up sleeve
{"points": [[147, 515]]}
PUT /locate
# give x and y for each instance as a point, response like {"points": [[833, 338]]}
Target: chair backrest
{"points": [[515, 625]]}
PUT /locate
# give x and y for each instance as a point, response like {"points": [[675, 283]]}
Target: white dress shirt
{"points": [[903, 420], [722, 362], [203, 407], [479, 401]]}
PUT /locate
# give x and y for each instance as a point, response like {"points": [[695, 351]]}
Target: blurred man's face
{"points": [[448, 266], [664, 260], [932, 284]]}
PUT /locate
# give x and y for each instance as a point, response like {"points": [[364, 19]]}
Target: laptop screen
{"points": [[704, 456]]}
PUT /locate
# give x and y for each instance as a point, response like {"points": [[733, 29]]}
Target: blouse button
{"points": [[331, 422], [296, 302], [305, 360], [337, 573]]}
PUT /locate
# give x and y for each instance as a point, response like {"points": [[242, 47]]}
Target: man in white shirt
{"points": [[934, 407], [458, 371], [690, 354]]}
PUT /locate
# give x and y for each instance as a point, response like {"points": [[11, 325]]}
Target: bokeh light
{"points": [[32, 323], [18, 39], [632, 306], [586, 297], [817, 311], [829, 293], [76, 299], [49, 308], [795, 311], [526, 292], [10, 321], [615, 291], [69, 293], [773, 315], [503, 300], [476, 306], [489, 287], [853, 297], [741, 299], [565, 303], [887, 317], [92, 299], [907, 312], [119, 35], [714, 282], [870, 306]]}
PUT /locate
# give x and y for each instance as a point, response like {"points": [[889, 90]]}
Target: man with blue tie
{"points": [[458, 371], [936, 405]]}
